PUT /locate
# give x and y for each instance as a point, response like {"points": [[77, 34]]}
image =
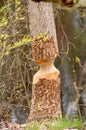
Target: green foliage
{"points": [[55, 125], [33, 126], [26, 39], [77, 59], [15, 56], [23, 41], [64, 124]]}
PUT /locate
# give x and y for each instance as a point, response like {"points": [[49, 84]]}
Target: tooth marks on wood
{"points": [[46, 99]]}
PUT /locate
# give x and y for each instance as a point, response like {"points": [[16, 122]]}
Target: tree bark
{"points": [[41, 19], [67, 30], [46, 82], [73, 24]]}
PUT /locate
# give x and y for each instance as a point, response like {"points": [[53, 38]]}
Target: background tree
{"points": [[70, 32]]}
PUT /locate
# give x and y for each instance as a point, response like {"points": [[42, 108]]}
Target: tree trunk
{"points": [[70, 30], [82, 70], [46, 83], [41, 19], [67, 29]]}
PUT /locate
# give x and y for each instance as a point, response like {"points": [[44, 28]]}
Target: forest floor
{"points": [[12, 126], [44, 125]]}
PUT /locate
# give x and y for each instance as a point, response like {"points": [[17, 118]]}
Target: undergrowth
{"points": [[55, 125]]}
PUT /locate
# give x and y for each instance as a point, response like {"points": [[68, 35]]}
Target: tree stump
{"points": [[46, 101]]}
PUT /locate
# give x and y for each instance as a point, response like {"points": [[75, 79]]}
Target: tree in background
{"points": [[70, 33]]}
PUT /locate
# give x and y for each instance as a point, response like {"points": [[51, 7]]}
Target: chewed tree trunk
{"points": [[46, 82]]}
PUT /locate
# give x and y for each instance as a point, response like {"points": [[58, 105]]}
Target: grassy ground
{"points": [[53, 124]]}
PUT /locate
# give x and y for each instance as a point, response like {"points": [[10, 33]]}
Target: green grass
{"points": [[54, 124]]}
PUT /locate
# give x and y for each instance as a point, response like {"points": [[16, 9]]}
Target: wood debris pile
{"points": [[11, 126]]}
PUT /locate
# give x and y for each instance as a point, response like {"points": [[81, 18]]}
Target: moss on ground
{"points": [[54, 124]]}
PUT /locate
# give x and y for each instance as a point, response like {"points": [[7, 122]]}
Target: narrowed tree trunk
{"points": [[46, 82]]}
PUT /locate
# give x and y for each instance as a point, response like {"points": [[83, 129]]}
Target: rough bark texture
{"points": [[41, 19], [46, 99], [73, 23], [69, 95], [44, 50], [46, 82], [70, 24]]}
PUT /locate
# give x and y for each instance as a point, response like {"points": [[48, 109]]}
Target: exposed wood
{"points": [[44, 50], [46, 99], [46, 82]]}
